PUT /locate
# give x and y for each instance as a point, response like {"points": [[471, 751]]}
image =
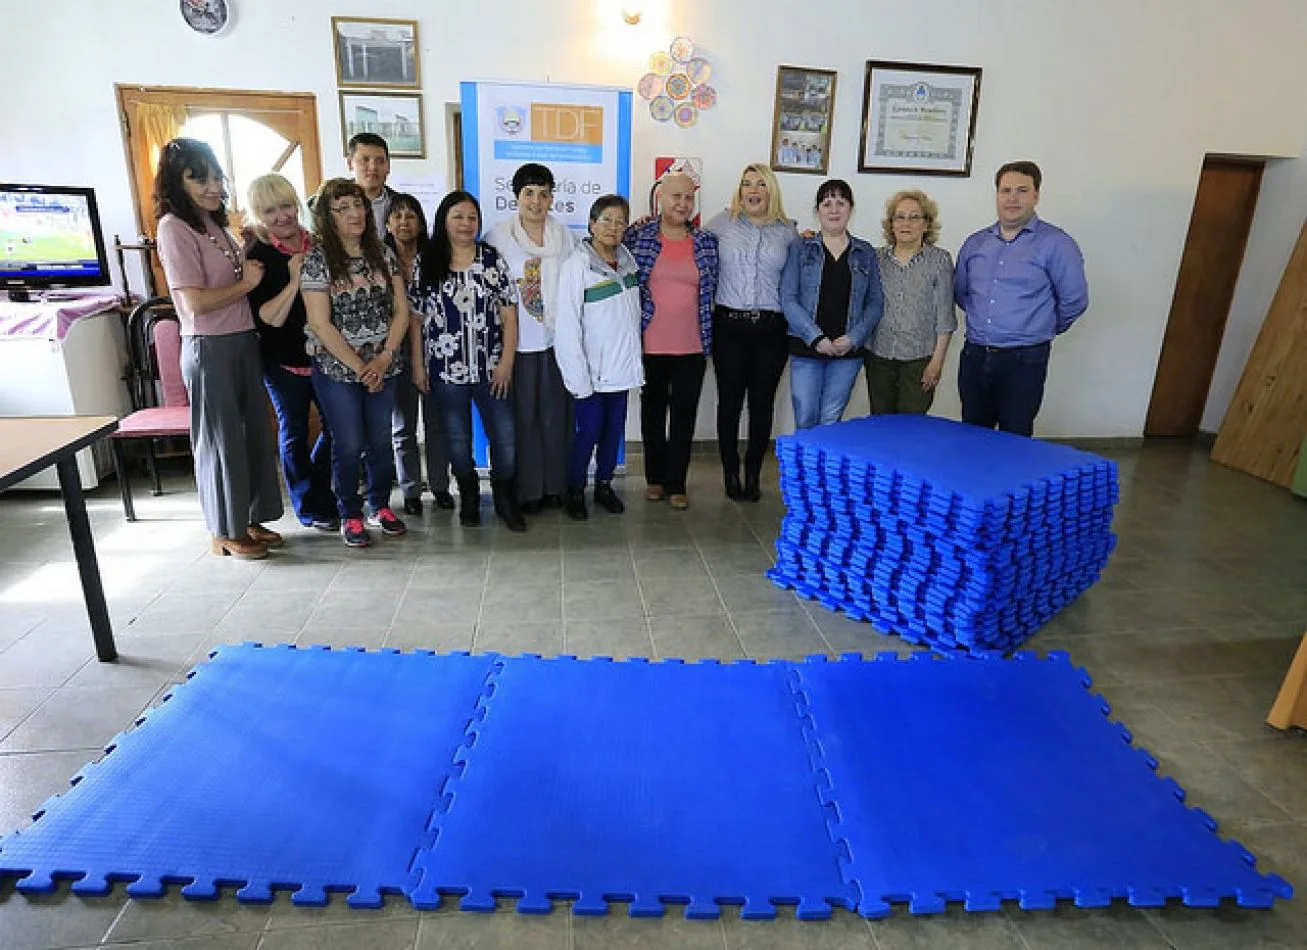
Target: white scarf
{"points": [[551, 259]]}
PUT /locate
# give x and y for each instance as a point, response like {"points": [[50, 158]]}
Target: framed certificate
{"points": [[801, 121], [918, 119]]}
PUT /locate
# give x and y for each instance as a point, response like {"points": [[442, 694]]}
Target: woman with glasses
{"points": [[907, 352], [599, 351], [357, 318], [534, 244], [209, 277]]}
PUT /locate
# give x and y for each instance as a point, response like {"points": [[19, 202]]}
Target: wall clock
{"points": [[209, 17]]}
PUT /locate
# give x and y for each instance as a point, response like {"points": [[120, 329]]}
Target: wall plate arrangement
{"points": [[676, 85]]}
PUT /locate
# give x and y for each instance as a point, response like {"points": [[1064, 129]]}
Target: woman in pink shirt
{"points": [[208, 276], [678, 280]]}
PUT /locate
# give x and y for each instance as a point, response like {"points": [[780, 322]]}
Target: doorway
{"points": [[1204, 289]]}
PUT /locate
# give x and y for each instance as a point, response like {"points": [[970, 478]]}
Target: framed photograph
{"points": [[801, 121], [395, 116], [375, 52], [918, 119]]}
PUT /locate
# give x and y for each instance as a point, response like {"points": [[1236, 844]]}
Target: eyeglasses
{"points": [[913, 217], [611, 222]]}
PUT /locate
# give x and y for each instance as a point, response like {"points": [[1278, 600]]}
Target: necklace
{"points": [[305, 242], [229, 252]]}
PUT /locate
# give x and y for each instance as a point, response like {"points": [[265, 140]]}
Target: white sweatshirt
{"points": [[597, 334]]}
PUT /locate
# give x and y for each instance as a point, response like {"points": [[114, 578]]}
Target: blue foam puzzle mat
{"points": [[273, 768], [646, 783], [847, 783]]}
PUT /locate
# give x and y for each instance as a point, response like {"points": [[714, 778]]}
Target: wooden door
{"points": [[251, 133], [1204, 288]]}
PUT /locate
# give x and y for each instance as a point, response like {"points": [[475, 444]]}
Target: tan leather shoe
{"points": [[679, 502], [654, 493], [246, 549], [264, 536]]}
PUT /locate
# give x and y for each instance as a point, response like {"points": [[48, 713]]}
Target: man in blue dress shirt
{"points": [[1021, 282]]}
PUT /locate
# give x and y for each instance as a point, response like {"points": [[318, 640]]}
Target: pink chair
{"points": [[154, 344]]}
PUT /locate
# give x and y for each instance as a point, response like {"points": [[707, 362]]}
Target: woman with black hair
{"points": [[357, 319], [466, 299], [209, 277], [406, 233], [534, 244]]}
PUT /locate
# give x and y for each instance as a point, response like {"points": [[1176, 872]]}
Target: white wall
{"points": [[1117, 99]]}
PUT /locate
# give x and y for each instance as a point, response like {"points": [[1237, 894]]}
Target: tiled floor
{"points": [[1188, 635]]}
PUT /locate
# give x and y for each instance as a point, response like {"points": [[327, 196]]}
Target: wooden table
{"points": [[31, 444]]}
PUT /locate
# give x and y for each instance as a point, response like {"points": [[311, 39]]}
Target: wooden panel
{"points": [[1204, 289], [1266, 423], [1290, 708]]}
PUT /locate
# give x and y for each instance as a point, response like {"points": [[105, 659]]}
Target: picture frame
{"points": [[395, 116], [374, 52], [918, 119], [801, 120]]}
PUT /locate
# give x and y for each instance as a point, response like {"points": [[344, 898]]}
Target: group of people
{"points": [[388, 326]]}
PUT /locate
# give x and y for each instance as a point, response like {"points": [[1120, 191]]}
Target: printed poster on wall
{"points": [[582, 133]]}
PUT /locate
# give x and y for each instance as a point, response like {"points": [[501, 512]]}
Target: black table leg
{"points": [[79, 526]]}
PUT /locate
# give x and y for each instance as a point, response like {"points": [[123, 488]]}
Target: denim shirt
{"points": [[801, 282]]}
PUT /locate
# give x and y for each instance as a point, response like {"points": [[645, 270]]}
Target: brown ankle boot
{"points": [[247, 549]]}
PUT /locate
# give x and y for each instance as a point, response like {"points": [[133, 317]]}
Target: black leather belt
{"points": [[1008, 349], [752, 316]]}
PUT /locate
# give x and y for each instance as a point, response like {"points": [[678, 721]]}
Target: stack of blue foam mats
{"points": [[944, 533]]}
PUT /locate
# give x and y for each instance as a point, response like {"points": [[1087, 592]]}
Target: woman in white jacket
{"points": [[597, 345]]}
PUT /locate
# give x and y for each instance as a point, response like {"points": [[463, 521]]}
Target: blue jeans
{"points": [[601, 423], [1003, 386], [820, 389], [360, 434], [307, 471], [455, 401]]}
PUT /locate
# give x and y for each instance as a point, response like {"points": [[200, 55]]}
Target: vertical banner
{"points": [[582, 133]]}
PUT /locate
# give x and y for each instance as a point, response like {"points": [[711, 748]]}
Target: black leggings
{"points": [[669, 403], [749, 358]]}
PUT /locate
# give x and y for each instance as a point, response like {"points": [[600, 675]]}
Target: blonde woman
{"points": [[906, 356], [279, 243], [749, 348]]}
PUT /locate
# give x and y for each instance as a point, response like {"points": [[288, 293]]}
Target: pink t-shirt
{"points": [[194, 261], [674, 287]]}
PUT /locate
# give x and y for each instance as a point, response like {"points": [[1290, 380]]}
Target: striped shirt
{"points": [[918, 303], [751, 260]]}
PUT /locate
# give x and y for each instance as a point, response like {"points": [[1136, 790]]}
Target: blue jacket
{"points": [[801, 283]]}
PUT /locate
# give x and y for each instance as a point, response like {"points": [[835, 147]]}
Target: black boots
{"points": [[607, 499], [751, 490], [733, 490], [506, 505], [575, 503], [469, 500]]}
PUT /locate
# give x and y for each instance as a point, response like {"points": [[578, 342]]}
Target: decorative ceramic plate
{"points": [[651, 84], [699, 70], [660, 63], [661, 108], [682, 49], [205, 16], [704, 97], [686, 115], [678, 86]]}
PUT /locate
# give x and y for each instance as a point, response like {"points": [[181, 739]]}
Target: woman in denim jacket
{"points": [[831, 294]]}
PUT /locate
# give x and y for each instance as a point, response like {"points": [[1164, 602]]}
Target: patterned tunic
{"points": [[361, 309], [462, 335]]}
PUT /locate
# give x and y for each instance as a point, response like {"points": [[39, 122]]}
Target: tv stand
{"points": [[20, 296]]}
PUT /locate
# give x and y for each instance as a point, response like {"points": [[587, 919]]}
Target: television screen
{"points": [[50, 237]]}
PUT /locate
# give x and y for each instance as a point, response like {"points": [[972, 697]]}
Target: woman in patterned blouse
{"points": [[906, 357], [357, 317], [466, 301]]}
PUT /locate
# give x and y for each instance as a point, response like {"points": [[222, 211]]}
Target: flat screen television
{"points": [[49, 237]]}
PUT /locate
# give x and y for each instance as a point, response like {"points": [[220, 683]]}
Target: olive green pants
{"points": [[895, 385]]}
